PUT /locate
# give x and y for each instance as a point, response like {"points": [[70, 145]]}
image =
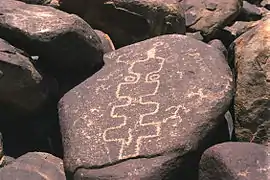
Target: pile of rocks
{"points": [[114, 89]]}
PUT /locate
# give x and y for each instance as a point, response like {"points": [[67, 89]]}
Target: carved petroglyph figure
{"points": [[141, 83]]}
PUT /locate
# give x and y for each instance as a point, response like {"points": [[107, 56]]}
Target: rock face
{"points": [[130, 21], [33, 166], [235, 161], [155, 102], [47, 32], [22, 87], [252, 101], [207, 16], [106, 41]]}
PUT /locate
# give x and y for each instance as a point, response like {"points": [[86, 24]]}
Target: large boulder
{"points": [[23, 88], [207, 16], [65, 44], [130, 21], [235, 161], [33, 166], [252, 101], [151, 110]]}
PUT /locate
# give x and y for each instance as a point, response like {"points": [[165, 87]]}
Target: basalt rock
{"points": [[128, 22], [252, 101], [67, 47], [207, 16], [33, 166], [23, 88], [157, 102], [235, 161]]}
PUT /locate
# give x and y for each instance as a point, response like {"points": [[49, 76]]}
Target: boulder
{"points": [[235, 161], [33, 166], [252, 101], [65, 44], [207, 16], [106, 41], [153, 108], [23, 88], [128, 22]]}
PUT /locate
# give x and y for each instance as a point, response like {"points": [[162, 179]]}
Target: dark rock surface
{"points": [[134, 111], [128, 22], [155, 97], [34, 166], [47, 32], [235, 161], [207, 16], [249, 12], [252, 101], [22, 86]]}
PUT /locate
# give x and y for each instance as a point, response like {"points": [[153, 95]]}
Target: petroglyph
{"points": [[138, 86]]}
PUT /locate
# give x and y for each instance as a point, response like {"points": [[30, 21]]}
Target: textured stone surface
{"points": [[47, 32], [162, 95], [249, 12], [106, 41], [22, 86], [216, 43], [240, 27], [34, 166], [252, 101], [235, 161], [130, 21], [209, 15]]}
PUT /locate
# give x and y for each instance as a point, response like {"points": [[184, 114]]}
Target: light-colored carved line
{"points": [[157, 124], [150, 54]]}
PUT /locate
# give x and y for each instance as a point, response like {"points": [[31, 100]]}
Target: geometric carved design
{"points": [[136, 91]]}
